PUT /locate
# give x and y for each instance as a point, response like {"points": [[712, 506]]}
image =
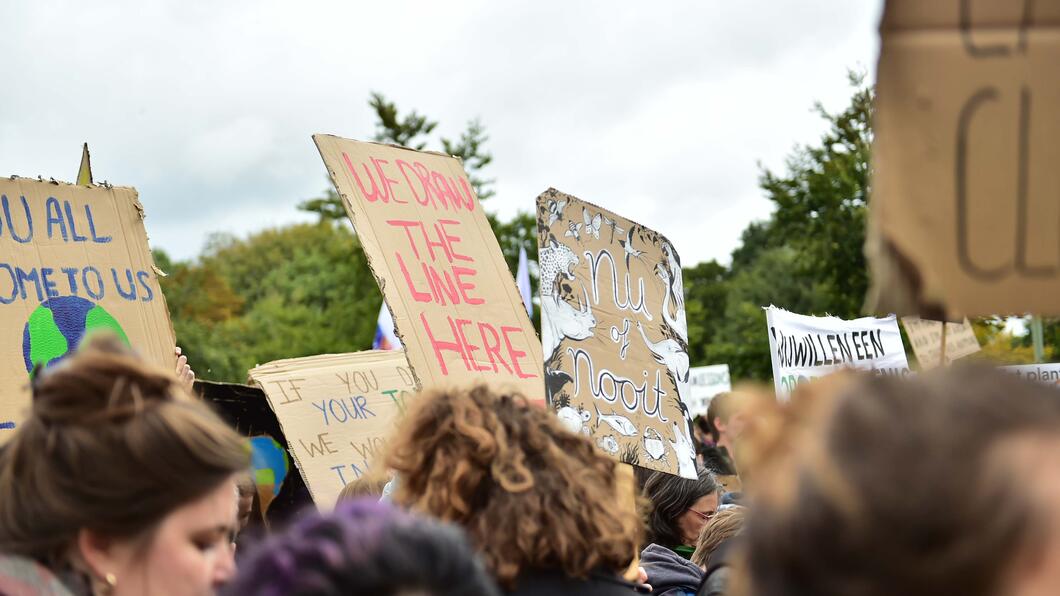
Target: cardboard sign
{"points": [[614, 333], [926, 339], [73, 260], [247, 410], [704, 383], [455, 305], [337, 411], [803, 347], [964, 212], [1046, 373]]}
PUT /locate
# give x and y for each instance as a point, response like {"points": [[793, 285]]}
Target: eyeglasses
{"points": [[703, 516]]}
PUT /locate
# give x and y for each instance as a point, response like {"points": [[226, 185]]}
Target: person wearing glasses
{"points": [[679, 508]]}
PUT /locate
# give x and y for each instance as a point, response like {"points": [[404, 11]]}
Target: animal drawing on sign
{"points": [[592, 224], [677, 322], [686, 453], [677, 285], [554, 382], [575, 420], [573, 230], [669, 353], [615, 228], [555, 259], [621, 338], [621, 424], [627, 246], [653, 444], [608, 444], [559, 320], [555, 210]]}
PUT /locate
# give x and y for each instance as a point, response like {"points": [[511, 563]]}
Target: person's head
{"points": [[725, 524], [122, 476], [365, 486], [727, 414], [248, 491], [680, 507], [947, 483], [364, 547], [530, 493]]}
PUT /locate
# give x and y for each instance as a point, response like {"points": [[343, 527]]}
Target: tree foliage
{"points": [[306, 289]]}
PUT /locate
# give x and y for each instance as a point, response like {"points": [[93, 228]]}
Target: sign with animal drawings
{"points": [[613, 333], [964, 214], [337, 412], [73, 260], [926, 338], [456, 308], [803, 347]]}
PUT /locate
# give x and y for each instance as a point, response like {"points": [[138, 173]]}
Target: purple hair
{"points": [[364, 547]]}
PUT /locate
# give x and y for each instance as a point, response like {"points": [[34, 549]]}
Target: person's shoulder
{"points": [[24, 577]]}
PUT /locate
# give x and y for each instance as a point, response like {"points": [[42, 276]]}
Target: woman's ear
{"points": [[96, 553]]}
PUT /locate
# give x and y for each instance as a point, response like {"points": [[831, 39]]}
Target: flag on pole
{"points": [[522, 279], [385, 338]]}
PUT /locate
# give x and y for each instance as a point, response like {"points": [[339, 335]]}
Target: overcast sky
{"points": [[659, 111]]}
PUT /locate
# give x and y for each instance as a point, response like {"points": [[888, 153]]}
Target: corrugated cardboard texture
{"points": [[966, 189], [337, 412], [614, 333], [83, 252], [456, 307], [926, 338]]}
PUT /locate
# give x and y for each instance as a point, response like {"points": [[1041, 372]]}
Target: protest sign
{"points": [[926, 339], [455, 305], [964, 204], [337, 412], [614, 333], [73, 260], [704, 383], [1045, 373], [247, 410], [803, 347]]}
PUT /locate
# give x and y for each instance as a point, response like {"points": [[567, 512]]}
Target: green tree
{"points": [[281, 293], [821, 204], [807, 257]]}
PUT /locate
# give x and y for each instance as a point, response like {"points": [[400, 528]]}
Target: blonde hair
{"points": [[724, 525]]}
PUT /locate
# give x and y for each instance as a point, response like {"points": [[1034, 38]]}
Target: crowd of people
{"points": [[121, 482]]}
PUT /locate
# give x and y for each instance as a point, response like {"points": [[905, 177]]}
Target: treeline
{"points": [[306, 289]]}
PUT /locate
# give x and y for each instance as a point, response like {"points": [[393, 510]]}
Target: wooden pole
{"points": [[942, 350]]}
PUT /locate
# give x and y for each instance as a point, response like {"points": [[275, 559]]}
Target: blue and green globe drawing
{"points": [[268, 460], [57, 326]]}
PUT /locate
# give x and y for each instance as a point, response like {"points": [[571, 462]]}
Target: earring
{"points": [[111, 579]]}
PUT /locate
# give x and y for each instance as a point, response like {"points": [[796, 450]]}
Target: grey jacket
{"points": [[669, 573]]}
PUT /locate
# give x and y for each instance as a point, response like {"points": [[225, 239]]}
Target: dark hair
{"points": [[889, 486], [530, 493], [111, 445], [364, 547], [669, 497]]}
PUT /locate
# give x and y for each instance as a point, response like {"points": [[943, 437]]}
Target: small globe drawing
{"points": [[268, 460], [56, 328]]}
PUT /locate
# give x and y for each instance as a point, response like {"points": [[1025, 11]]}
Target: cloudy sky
{"points": [[660, 111]]}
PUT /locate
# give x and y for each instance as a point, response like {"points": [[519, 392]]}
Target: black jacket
{"points": [[555, 583]]}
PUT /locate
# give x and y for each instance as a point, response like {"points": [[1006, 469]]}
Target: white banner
{"points": [[1046, 373], [803, 347], [704, 382]]}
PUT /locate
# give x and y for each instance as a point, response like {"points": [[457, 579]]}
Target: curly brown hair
{"points": [[530, 493]]}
